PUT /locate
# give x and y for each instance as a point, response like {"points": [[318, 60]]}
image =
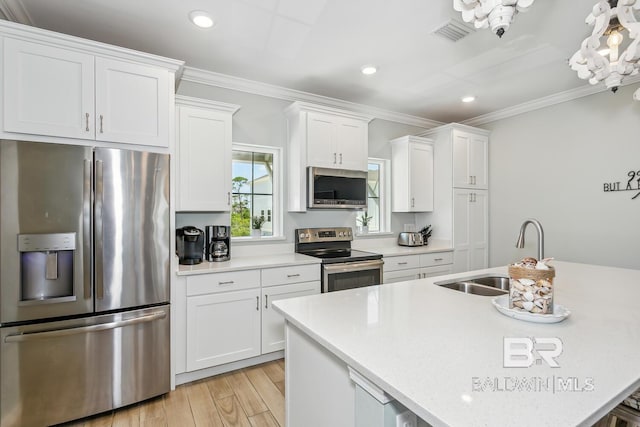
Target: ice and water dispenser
{"points": [[46, 267]]}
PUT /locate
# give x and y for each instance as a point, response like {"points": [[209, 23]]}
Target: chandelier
{"points": [[601, 57], [496, 14]]}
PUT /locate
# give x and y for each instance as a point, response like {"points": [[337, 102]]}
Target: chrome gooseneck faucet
{"points": [[520, 242]]}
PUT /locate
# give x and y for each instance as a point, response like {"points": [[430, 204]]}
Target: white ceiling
{"points": [[319, 46]]}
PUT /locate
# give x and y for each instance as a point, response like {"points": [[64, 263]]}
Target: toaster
{"points": [[410, 239]]}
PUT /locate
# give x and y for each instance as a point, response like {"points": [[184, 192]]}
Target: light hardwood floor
{"points": [[250, 397]]}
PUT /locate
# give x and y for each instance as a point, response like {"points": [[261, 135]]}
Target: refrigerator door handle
{"points": [[86, 231], [32, 336], [99, 241]]}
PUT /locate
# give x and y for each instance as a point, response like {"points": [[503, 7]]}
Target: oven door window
{"points": [[338, 277]]}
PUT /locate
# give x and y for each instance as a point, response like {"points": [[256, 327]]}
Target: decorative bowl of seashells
{"points": [[531, 286]]}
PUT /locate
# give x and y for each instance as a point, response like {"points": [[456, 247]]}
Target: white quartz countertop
{"points": [[430, 347], [247, 262], [390, 247]]}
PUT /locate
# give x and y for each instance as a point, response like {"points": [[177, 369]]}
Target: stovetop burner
{"points": [[332, 245]]}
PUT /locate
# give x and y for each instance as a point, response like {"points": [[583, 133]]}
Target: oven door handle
{"points": [[353, 266]]}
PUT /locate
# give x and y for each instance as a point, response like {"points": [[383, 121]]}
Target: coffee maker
{"points": [[218, 242], [189, 245]]}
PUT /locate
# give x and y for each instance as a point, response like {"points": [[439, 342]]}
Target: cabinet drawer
{"points": [[401, 275], [292, 274], [436, 271], [222, 282], [436, 258], [401, 262]]}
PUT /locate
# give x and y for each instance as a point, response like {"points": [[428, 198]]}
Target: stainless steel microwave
{"points": [[336, 188]]}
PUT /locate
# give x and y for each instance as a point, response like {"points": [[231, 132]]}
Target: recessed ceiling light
{"points": [[469, 98], [201, 19], [367, 70]]}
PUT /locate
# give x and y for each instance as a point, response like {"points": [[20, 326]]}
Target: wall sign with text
{"points": [[633, 184]]}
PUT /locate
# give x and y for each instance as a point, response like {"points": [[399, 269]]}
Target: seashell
{"points": [[517, 304], [528, 296], [544, 283], [545, 306], [545, 290], [536, 310], [527, 305], [529, 262], [539, 302], [527, 282], [516, 284]]}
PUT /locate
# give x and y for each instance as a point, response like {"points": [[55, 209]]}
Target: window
{"points": [[255, 191], [377, 205]]}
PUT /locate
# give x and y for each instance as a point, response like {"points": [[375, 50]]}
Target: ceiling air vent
{"points": [[453, 30]]}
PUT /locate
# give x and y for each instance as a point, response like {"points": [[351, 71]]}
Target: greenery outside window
{"points": [[377, 194], [255, 190]]}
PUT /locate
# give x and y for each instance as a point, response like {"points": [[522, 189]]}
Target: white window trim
{"points": [[385, 194], [277, 216]]}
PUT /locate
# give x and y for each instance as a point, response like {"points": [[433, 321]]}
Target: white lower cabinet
{"points": [[229, 315], [273, 322], [410, 267], [222, 328]]}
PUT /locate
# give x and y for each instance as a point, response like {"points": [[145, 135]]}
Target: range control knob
{"points": [[340, 234]]}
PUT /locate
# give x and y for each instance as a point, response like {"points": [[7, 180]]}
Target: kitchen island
{"points": [[440, 353]]}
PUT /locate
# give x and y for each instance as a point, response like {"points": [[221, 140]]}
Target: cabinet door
{"points": [[436, 271], [478, 161], [421, 177], [320, 140], [470, 153], [461, 230], [352, 145], [204, 160], [222, 328], [132, 103], [272, 322], [479, 225], [48, 91]]}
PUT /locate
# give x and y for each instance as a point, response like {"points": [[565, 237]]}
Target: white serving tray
{"points": [[501, 303]]}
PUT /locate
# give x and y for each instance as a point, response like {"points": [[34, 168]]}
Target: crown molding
{"points": [[210, 78], [543, 102], [14, 10], [207, 104]]}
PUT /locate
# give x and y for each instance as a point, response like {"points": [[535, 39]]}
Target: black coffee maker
{"points": [[189, 245], [218, 242]]}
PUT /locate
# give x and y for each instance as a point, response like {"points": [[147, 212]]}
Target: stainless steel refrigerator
{"points": [[84, 280]]}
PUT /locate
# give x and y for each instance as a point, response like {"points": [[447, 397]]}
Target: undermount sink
{"points": [[490, 285]]}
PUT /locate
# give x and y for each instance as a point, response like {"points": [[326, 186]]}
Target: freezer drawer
{"points": [[61, 371]]}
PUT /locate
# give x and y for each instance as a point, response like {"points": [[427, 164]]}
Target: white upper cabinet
{"points": [[470, 153], [412, 174], [48, 91], [324, 137], [203, 154], [336, 142], [132, 103], [66, 87]]}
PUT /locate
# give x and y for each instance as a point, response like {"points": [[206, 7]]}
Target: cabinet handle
{"points": [[403, 263], [228, 198], [437, 259], [266, 302], [293, 275], [101, 131], [413, 202], [470, 197], [340, 158], [257, 303], [86, 116], [230, 282], [335, 159]]}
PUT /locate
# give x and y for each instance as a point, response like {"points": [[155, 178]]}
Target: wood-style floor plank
{"points": [[274, 371], [264, 419], [152, 413], [219, 386], [231, 412], [104, 420], [246, 394], [280, 385], [202, 407], [127, 417], [177, 409], [268, 391]]}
